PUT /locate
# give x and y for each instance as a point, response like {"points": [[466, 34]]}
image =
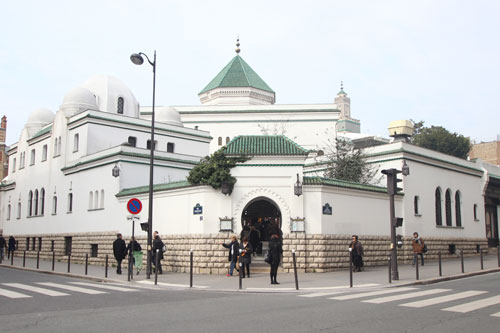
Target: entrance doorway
{"points": [[264, 215]]}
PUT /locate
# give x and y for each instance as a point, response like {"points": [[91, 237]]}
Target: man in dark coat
{"points": [[275, 251], [157, 245], [12, 246], [233, 247], [3, 245], [357, 254], [120, 251]]}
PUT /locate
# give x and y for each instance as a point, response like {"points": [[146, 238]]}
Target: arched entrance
{"points": [[262, 213]]}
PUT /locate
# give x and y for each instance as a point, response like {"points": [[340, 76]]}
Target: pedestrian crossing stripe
{"points": [[12, 294], [468, 307], [405, 296], [72, 288], [39, 290], [372, 293], [443, 299], [104, 286], [496, 314]]}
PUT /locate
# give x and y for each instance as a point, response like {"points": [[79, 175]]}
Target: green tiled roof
{"points": [[156, 187], [343, 183], [265, 145], [42, 132], [342, 92], [237, 74]]}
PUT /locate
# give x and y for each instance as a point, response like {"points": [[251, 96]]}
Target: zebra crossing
{"points": [[22, 290], [428, 298]]}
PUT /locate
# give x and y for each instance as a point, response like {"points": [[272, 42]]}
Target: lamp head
{"points": [[137, 59]]}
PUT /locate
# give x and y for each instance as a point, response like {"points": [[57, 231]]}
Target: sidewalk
{"points": [[260, 282]]}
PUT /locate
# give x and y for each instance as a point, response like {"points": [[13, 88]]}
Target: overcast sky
{"points": [[436, 61]]}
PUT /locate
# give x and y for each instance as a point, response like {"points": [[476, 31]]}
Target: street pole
{"points": [[394, 253]]}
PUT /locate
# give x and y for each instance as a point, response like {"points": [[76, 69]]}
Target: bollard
{"points": [[390, 272], [416, 269], [37, 259], [86, 263], [481, 256], [12, 258], [129, 269], [106, 267], [240, 277], [462, 260], [156, 266], [350, 267], [191, 268], [53, 260], [69, 261], [439, 262], [24, 258], [498, 255], [295, 270]]}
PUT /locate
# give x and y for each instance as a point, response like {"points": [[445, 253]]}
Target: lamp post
{"points": [[137, 59]]}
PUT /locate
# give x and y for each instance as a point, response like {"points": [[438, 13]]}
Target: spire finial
{"points": [[341, 85], [238, 45]]}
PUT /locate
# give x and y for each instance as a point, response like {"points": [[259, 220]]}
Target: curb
{"points": [[449, 278]]}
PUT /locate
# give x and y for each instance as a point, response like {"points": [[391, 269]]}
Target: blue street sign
{"points": [[134, 206]]}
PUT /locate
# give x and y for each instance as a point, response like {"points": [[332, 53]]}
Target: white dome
{"points": [[40, 117], [81, 98], [108, 89], [168, 115]]}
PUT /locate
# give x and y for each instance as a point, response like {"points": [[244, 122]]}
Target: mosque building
{"points": [[72, 172]]}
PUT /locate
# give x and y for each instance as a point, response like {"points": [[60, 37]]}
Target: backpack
{"points": [[424, 249], [268, 258]]}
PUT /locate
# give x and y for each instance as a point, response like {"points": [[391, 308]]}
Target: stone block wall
{"points": [[314, 253]]}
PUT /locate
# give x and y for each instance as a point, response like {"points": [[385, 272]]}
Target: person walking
{"points": [[3, 245], [254, 239], [245, 257], [134, 251], [160, 246], [275, 251], [12, 246], [357, 253], [418, 248], [233, 253], [120, 252]]}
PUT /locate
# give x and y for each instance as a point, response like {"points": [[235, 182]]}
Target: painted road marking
{"points": [[170, 284], [12, 294], [372, 293], [103, 286], [39, 290], [443, 299], [405, 296], [342, 287], [496, 314], [468, 307], [72, 288]]}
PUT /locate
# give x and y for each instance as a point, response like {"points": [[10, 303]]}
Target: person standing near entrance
{"points": [[357, 254], [12, 246], [418, 248], [245, 257], [120, 251], [233, 247], [157, 245], [275, 251], [3, 245]]}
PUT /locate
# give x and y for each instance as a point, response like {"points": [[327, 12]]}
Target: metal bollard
{"points": [[390, 272], [191, 268], [37, 259], [498, 255], [462, 260], [295, 270], [86, 263], [416, 269], [12, 258], [156, 266], [53, 260], [24, 258], [106, 267], [240, 277], [350, 268], [439, 261], [129, 269], [481, 256], [69, 261]]}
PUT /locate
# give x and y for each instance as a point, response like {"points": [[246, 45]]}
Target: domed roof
{"points": [[81, 97], [40, 117], [168, 115]]}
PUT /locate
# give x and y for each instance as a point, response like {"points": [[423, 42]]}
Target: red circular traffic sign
{"points": [[134, 206]]}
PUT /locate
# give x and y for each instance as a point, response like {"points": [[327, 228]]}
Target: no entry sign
{"points": [[134, 206]]}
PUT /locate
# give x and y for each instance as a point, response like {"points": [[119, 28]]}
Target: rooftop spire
{"points": [[341, 85], [238, 45]]}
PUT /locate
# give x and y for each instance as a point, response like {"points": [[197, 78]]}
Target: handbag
{"points": [[424, 249], [268, 258]]}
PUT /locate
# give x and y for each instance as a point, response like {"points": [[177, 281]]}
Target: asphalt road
{"points": [[456, 306]]}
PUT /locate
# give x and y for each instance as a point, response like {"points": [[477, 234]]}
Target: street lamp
{"points": [[297, 188], [137, 59]]}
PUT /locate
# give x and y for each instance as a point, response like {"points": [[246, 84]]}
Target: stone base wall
{"points": [[314, 253]]}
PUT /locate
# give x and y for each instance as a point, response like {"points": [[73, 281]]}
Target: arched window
{"points": [[56, 145], [170, 147], [458, 212], [76, 142], [119, 105], [448, 208], [102, 199], [96, 199], [44, 153], [219, 141], [30, 203], [227, 140], [148, 144], [35, 211], [91, 200], [439, 215], [42, 201], [14, 165], [59, 147], [19, 210], [32, 159], [70, 202], [416, 200], [54, 204], [8, 212]]}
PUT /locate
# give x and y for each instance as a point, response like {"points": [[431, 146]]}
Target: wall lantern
{"points": [[297, 188], [116, 170], [226, 188], [405, 170]]}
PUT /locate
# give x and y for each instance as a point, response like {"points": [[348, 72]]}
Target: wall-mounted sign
{"points": [[198, 209], [327, 209]]}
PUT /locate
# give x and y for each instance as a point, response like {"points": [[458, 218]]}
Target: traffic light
{"points": [[392, 181], [145, 226], [398, 222]]}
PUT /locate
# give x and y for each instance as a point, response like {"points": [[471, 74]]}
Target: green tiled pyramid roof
{"points": [[237, 74], [264, 145]]}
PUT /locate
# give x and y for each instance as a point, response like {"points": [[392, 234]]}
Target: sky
{"points": [[436, 61]]}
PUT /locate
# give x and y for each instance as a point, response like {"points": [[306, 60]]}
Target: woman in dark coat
{"points": [[275, 251], [357, 254], [233, 247], [12, 246], [245, 258]]}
